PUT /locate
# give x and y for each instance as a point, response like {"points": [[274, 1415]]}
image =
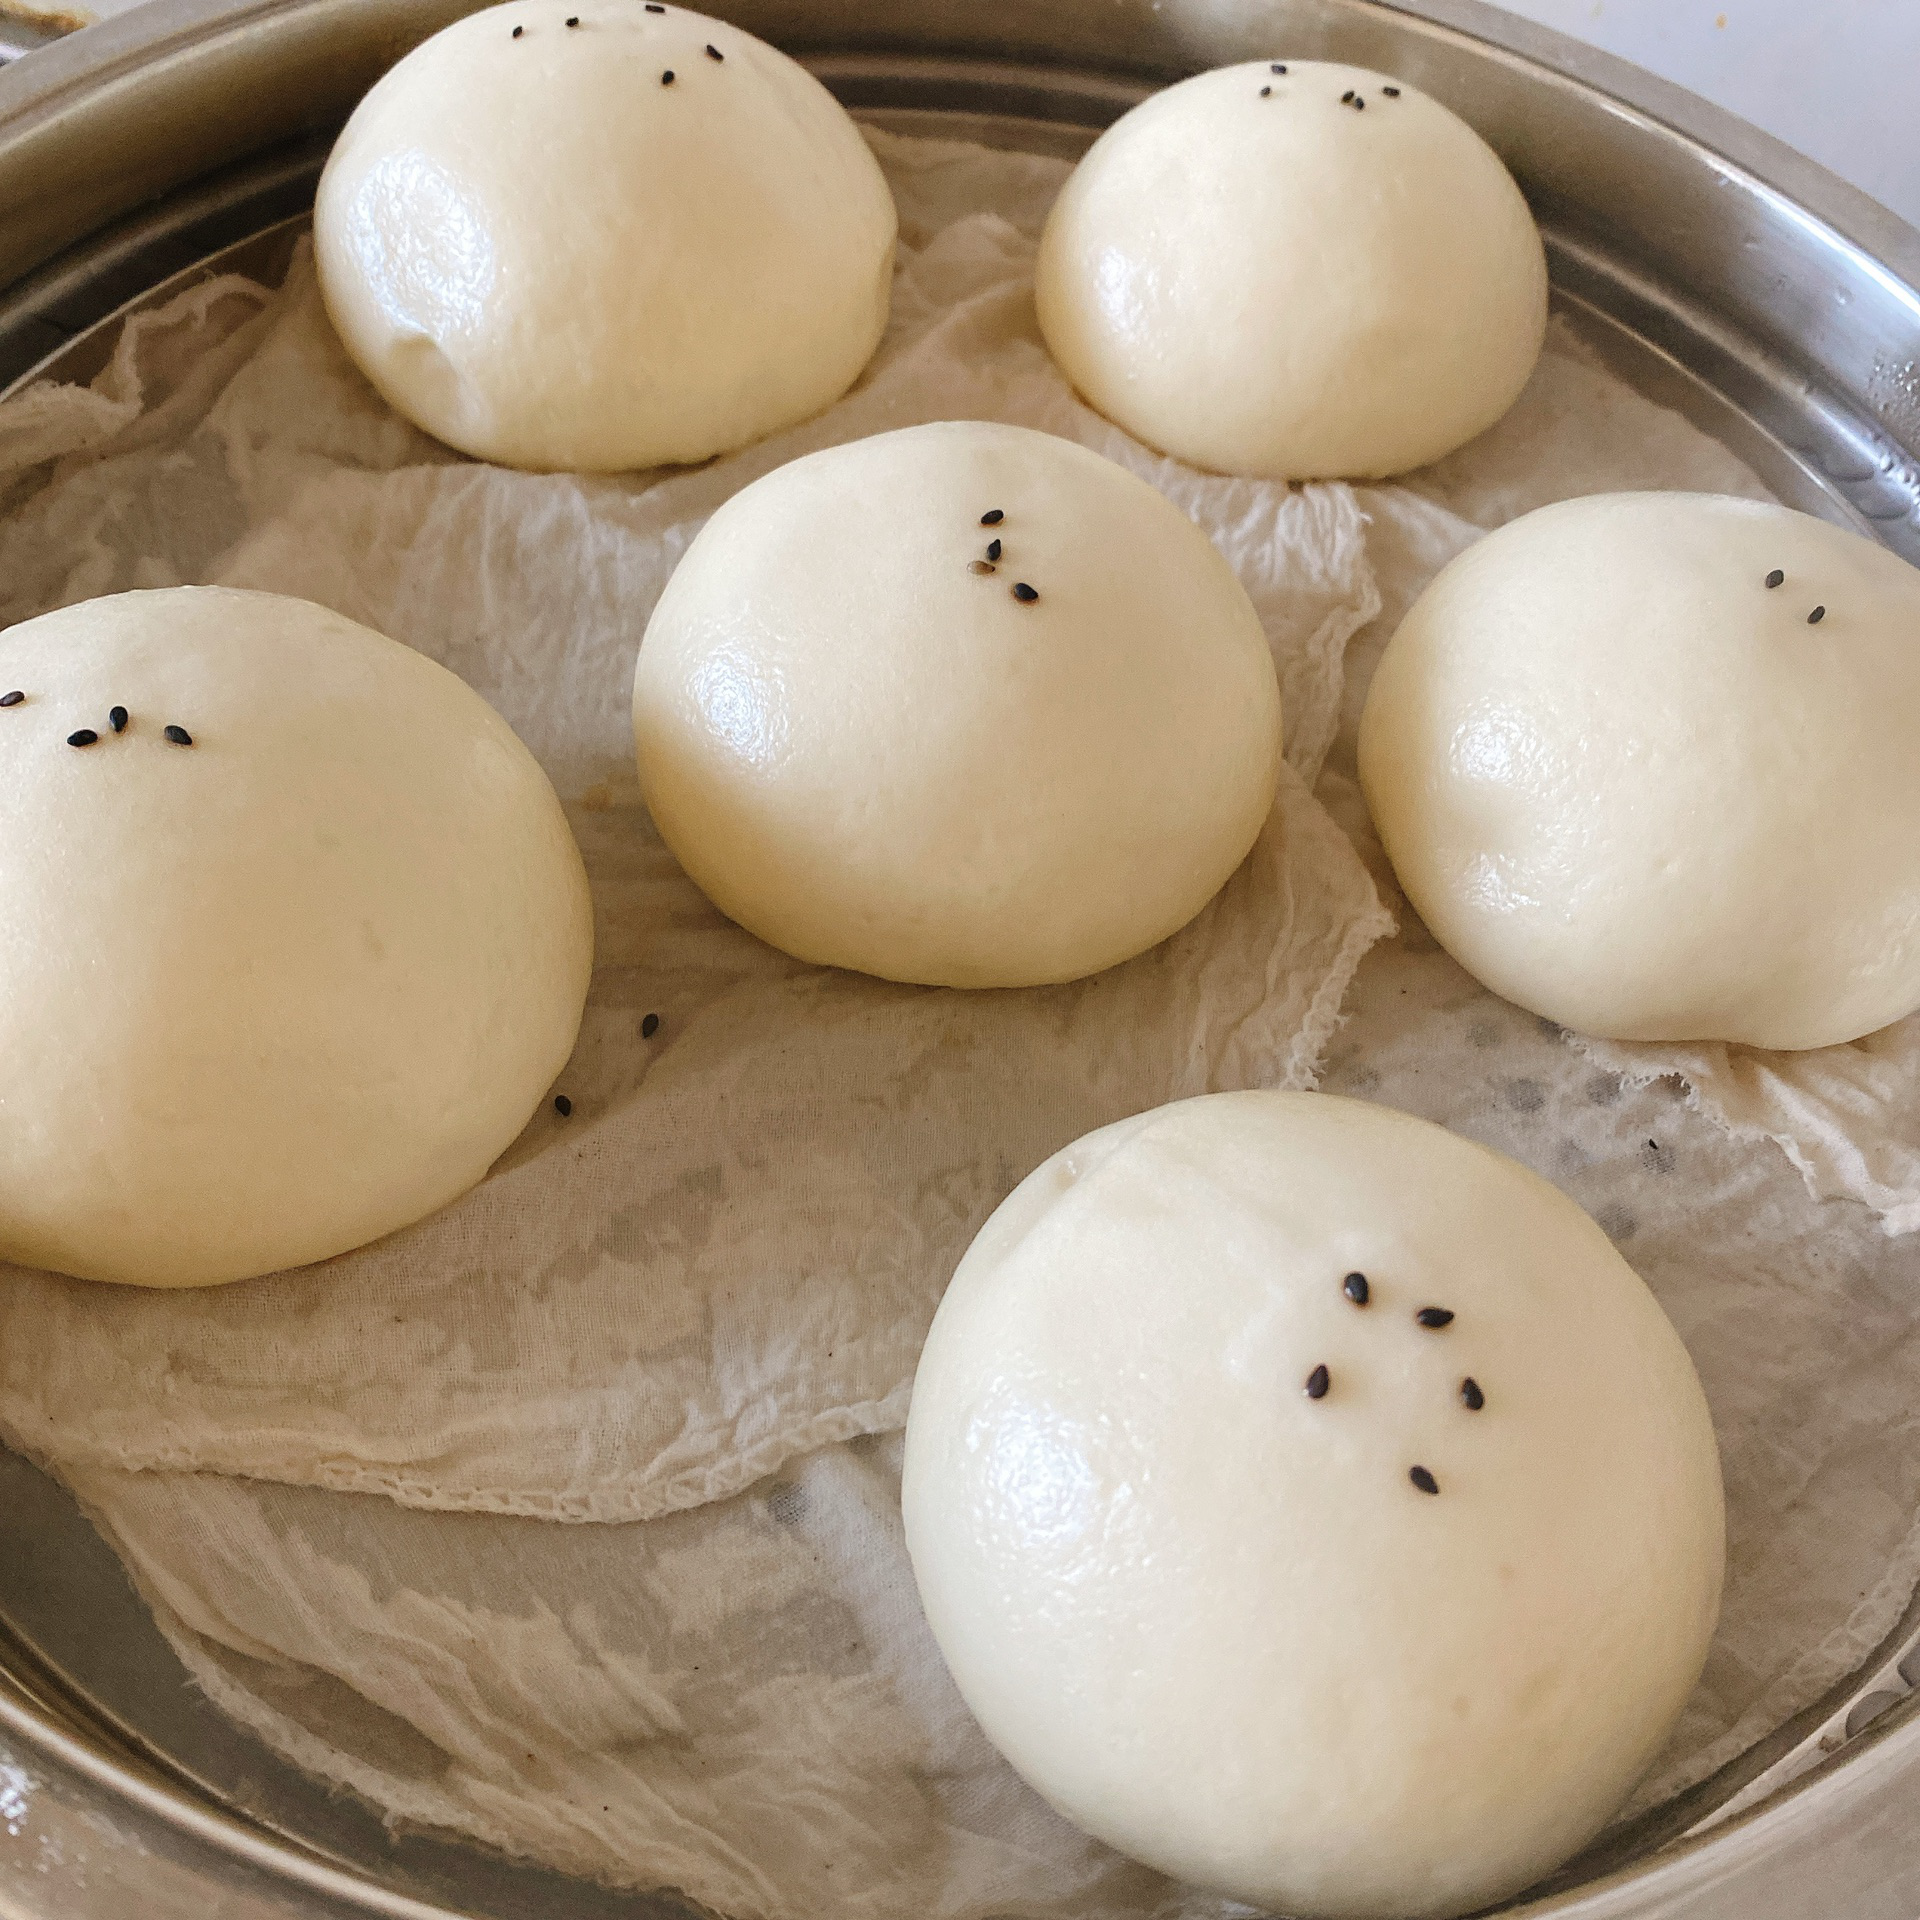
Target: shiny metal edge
{"points": [[1138, 37], [1680, 354], [122, 267], [147, 1840], [1887, 1751], [1817, 278]]}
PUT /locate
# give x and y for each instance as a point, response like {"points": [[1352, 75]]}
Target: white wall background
{"points": [[1838, 79]]}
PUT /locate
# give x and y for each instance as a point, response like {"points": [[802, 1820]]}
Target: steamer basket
{"points": [[1720, 273]]}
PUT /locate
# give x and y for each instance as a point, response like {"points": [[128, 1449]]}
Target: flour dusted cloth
{"points": [[739, 1697], [729, 1253]]}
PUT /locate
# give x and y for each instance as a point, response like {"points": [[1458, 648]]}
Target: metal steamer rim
{"points": [[1719, 272]]}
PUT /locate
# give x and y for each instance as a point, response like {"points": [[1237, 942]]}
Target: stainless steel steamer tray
{"points": [[1718, 271]]}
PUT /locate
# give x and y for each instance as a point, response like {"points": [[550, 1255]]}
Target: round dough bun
{"points": [[874, 756], [1629, 786], [1214, 1620], [541, 253], [1274, 282], [278, 992]]}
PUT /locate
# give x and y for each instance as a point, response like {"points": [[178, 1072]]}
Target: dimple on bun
{"points": [[588, 234]]}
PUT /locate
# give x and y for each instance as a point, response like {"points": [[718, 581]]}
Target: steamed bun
{"points": [[963, 704], [591, 234], [1294, 269], [297, 936], [1313, 1505], [1645, 764]]}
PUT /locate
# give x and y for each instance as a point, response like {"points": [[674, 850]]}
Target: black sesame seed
{"points": [[666, 79], [649, 1026], [982, 566], [714, 53], [1435, 1316], [1279, 66], [654, 7], [178, 735], [1816, 616], [84, 738], [1358, 103], [562, 1105], [1422, 1479], [1025, 594], [1472, 1396], [573, 19], [992, 517], [117, 719], [1264, 92], [1346, 99], [1318, 1381], [1392, 93], [1355, 1287], [1775, 577], [12, 699], [993, 549], [518, 31]]}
